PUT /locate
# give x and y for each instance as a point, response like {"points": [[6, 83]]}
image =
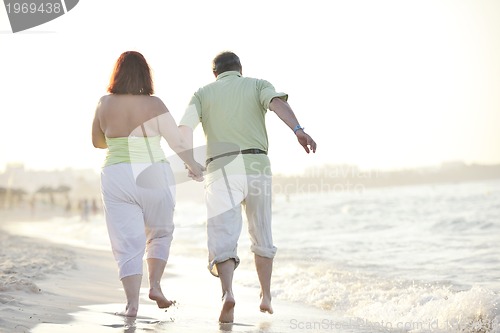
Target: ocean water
{"points": [[417, 258], [420, 258], [409, 259]]}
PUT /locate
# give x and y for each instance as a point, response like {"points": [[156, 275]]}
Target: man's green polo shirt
{"points": [[232, 112]]}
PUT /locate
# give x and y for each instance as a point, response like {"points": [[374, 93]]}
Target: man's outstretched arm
{"points": [[286, 114]]}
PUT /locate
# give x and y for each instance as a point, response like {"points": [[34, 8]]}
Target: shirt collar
{"points": [[228, 73]]}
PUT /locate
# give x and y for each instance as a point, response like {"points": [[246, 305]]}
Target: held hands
{"points": [[306, 141], [195, 171]]}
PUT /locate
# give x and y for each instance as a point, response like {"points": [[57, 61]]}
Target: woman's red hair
{"points": [[131, 75]]}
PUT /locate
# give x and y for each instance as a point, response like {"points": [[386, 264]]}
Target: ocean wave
{"points": [[410, 306]]}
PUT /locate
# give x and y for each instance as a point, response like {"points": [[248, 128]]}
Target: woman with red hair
{"points": [[137, 184]]}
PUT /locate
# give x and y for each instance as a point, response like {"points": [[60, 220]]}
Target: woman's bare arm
{"points": [[169, 130], [98, 138]]}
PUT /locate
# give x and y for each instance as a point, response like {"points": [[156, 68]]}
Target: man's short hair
{"points": [[226, 61]]}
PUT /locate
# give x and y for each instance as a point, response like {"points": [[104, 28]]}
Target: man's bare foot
{"points": [[227, 312], [156, 295], [265, 304], [130, 311]]}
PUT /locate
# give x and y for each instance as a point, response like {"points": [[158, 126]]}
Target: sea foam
{"points": [[370, 301]]}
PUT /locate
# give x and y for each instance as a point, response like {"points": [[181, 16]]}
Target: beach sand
{"points": [[43, 282], [48, 287]]}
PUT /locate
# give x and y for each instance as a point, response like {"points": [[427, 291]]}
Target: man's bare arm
{"points": [[286, 114]]}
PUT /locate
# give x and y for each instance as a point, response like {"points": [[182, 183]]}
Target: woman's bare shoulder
{"points": [[155, 99], [104, 99], [158, 104]]}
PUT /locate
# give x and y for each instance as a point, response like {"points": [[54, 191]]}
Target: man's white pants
{"points": [[225, 197]]}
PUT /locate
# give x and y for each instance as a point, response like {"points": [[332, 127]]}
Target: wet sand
{"points": [[48, 287]]}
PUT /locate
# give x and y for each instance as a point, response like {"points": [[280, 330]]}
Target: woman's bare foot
{"points": [[265, 304], [156, 295], [227, 312], [130, 311]]}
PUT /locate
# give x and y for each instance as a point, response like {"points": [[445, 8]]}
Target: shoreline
{"points": [[77, 289]]}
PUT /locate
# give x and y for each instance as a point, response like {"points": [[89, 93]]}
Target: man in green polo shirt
{"points": [[232, 112]]}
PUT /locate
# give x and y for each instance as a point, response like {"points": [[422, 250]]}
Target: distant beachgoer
{"points": [[67, 208], [85, 209], [232, 111], [32, 205], [137, 183], [95, 209]]}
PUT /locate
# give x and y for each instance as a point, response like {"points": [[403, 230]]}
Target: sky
{"points": [[378, 84]]}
